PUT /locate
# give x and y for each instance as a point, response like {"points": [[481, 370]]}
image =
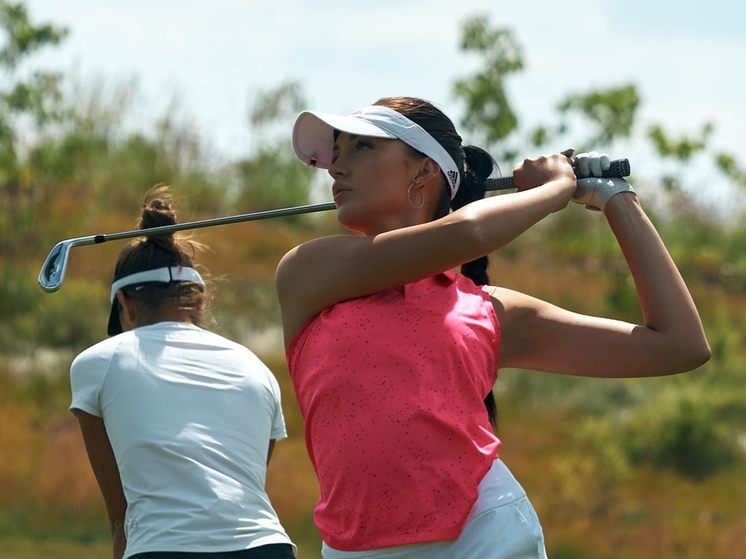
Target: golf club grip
{"points": [[618, 168]]}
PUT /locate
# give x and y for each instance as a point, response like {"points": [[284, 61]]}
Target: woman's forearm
{"points": [[119, 540], [473, 231], [667, 307], [500, 220]]}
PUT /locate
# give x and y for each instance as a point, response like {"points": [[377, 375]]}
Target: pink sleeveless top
{"points": [[391, 388]]}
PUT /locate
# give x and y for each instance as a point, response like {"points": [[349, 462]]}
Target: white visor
{"points": [[158, 275], [313, 137]]}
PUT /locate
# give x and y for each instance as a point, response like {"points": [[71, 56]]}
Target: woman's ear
{"points": [[127, 310], [428, 170]]}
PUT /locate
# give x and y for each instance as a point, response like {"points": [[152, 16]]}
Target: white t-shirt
{"points": [[189, 415]]}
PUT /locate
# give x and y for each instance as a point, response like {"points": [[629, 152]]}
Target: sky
{"points": [[215, 56]]}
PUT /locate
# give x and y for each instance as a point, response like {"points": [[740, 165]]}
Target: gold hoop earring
{"points": [[422, 195]]}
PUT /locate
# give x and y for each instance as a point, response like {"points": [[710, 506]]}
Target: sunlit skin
{"points": [[402, 245], [371, 180]]}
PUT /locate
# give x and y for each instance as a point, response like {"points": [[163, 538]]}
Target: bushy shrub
{"points": [[592, 473], [19, 296], [681, 430], [75, 318]]}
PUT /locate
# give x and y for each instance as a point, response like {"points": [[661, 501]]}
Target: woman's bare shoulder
{"points": [[511, 305]]}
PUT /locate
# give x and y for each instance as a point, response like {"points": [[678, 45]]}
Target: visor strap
{"points": [[167, 274]]}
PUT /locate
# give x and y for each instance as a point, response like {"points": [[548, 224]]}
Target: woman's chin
{"points": [[349, 218]]}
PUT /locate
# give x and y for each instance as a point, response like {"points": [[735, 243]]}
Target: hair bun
{"points": [[479, 162], [156, 208], [157, 212]]}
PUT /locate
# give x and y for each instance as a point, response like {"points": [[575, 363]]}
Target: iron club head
{"points": [[53, 271]]}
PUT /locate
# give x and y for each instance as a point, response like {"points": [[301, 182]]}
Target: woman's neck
{"points": [[164, 315]]}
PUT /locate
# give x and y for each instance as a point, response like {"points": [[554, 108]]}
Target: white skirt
{"points": [[502, 525]]}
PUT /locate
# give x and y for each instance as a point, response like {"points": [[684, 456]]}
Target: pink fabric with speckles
{"points": [[391, 387]]}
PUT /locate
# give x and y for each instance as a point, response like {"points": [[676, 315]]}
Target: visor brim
{"points": [[313, 135]]}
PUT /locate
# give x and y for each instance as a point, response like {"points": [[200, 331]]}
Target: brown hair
{"points": [[158, 251], [474, 166]]}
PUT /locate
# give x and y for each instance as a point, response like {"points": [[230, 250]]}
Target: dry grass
{"points": [[20, 439], [64, 474], [23, 548]]}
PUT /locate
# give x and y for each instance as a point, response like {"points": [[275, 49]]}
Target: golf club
{"points": [[52, 273]]}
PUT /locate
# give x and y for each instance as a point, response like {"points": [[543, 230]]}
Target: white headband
{"points": [[313, 137], [158, 275]]}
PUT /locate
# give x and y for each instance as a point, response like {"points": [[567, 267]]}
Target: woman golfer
{"points": [[392, 353], [178, 422]]}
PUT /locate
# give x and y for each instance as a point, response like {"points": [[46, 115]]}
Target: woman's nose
{"points": [[338, 168]]}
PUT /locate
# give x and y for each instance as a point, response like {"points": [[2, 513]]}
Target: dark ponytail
{"points": [[478, 166], [475, 165]]}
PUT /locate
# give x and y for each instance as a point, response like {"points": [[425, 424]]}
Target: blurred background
{"points": [[101, 100]]}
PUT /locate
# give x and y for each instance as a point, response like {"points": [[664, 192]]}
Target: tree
{"points": [[272, 177], [35, 102], [728, 165], [488, 112], [594, 119], [611, 111]]}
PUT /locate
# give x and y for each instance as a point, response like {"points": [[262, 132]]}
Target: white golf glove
{"points": [[593, 191], [592, 164]]}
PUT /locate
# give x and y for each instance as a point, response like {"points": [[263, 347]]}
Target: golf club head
{"points": [[52, 272]]}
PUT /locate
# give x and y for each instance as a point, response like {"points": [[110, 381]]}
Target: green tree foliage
{"points": [[679, 149], [66, 167], [611, 111], [488, 113], [39, 96], [592, 120], [728, 165], [22, 37], [272, 178], [34, 102], [276, 105], [682, 148], [681, 430]]}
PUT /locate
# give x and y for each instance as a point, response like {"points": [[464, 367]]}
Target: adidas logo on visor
{"points": [[452, 176]]}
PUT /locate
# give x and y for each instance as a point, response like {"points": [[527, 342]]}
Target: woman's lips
{"points": [[339, 190]]}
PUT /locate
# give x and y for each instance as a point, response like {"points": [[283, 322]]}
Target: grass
{"points": [[26, 548], [647, 514]]}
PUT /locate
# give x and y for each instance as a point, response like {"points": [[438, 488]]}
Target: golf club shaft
{"points": [[618, 168], [212, 222], [52, 272]]}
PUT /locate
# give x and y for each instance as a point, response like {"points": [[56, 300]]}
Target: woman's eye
{"points": [[362, 144]]}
